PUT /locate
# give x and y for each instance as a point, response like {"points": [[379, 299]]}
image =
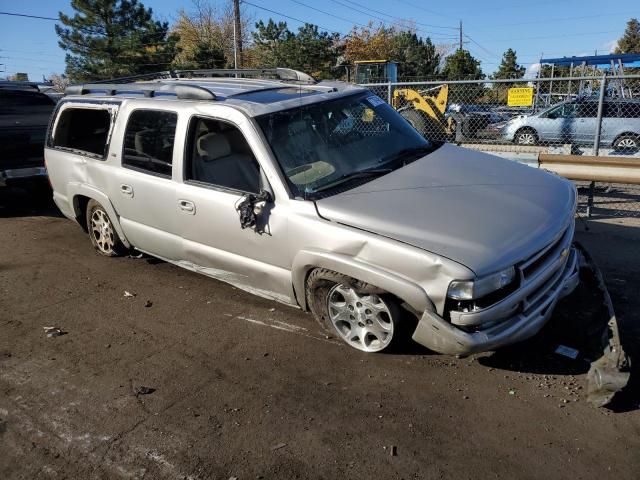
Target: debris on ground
{"points": [[148, 303], [565, 351], [129, 294], [278, 446], [393, 450], [142, 390], [53, 331]]}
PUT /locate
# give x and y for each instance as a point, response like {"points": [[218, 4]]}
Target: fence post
{"points": [[389, 93], [596, 139]]}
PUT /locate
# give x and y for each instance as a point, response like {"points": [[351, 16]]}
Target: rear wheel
{"points": [[363, 316], [627, 143], [103, 235], [526, 136]]}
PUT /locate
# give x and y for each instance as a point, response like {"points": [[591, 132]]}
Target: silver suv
{"points": [[321, 196]]}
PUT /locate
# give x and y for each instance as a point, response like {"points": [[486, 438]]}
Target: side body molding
{"points": [[404, 289]]}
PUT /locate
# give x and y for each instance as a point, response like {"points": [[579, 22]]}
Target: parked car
{"points": [[575, 122], [24, 116], [321, 196]]}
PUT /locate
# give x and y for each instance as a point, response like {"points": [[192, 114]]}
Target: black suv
{"points": [[24, 116]]}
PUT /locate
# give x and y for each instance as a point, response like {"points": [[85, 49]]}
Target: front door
{"points": [[220, 169]]}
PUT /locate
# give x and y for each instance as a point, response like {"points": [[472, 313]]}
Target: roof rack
{"points": [[183, 92], [284, 74]]}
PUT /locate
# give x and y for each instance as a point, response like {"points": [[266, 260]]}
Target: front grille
{"points": [[547, 263]]}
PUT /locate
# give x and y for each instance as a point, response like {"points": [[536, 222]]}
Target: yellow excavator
{"points": [[424, 109]]}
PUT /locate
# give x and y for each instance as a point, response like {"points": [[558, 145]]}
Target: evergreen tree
{"points": [[509, 67], [630, 41], [309, 50], [416, 57], [114, 38], [461, 65]]}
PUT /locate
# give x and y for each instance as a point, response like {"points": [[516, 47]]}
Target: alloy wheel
{"points": [[102, 231], [362, 321]]}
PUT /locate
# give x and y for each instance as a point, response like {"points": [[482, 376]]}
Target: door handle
{"points": [[126, 190], [187, 206]]}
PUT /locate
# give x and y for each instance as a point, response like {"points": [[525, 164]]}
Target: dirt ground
{"points": [[246, 388]]}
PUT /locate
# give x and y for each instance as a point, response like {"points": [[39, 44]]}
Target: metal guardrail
{"points": [[593, 169]]}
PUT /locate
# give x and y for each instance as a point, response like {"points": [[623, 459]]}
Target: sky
{"points": [[553, 28]]}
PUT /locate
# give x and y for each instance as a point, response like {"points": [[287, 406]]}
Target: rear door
{"points": [[141, 187]]}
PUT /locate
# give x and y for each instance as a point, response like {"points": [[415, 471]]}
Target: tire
{"points": [[363, 316], [627, 143], [102, 234], [526, 136], [417, 120]]}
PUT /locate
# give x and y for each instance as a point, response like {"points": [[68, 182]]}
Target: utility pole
{"points": [[460, 44], [237, 35]]}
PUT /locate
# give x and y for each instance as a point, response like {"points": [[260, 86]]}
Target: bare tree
{"points": [[206, 34]]}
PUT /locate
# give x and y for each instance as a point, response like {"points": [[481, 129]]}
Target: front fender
{"points": [[75, 190], [391, 282]]}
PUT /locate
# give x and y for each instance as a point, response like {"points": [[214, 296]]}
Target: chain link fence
{"points": [[582, 116]]}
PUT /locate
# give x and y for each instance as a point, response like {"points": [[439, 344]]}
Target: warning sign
{"points": [[520, 97]]}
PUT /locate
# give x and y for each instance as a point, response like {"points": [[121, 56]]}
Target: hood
{"points": [[479, 210]]}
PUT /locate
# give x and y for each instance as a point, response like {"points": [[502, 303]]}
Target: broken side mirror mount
{"points": [[251, 208]]}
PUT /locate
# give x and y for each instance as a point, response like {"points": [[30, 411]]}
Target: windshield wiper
{"points": [[408, 152], [371, 172]]}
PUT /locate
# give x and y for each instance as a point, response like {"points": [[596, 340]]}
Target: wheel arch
{"points": [[81, 194], [308, 260], [625, 134]]}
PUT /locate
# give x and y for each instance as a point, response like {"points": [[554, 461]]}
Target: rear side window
{"points": [[148, 141], [83, 129], [630, 110]]}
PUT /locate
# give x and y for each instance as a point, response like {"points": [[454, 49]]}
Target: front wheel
{"points": [[103, 235], [363, 316], [526, 136], [627, 143]]}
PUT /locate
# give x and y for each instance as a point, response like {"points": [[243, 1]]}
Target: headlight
{"points": [[472, 289]]}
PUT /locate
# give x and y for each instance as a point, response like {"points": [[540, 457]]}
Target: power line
{"points": [[28, 16], [432, 12], [564, 19], [481, 47], [398, 18], [289, 17], [329, 14], [438, 34]]}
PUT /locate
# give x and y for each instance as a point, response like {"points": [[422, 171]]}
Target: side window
{"points": [[630, 110], [148, 141], [587, 110], [219, 155], [83, 129]]}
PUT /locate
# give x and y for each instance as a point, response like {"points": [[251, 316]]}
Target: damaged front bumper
{"points": [[517, 317]]}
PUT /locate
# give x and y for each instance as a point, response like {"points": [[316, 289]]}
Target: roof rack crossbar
{"points": [[279, 73], [183, 92]]}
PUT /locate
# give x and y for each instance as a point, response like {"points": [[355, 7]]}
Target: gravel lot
{"points": [[248, 388]]}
